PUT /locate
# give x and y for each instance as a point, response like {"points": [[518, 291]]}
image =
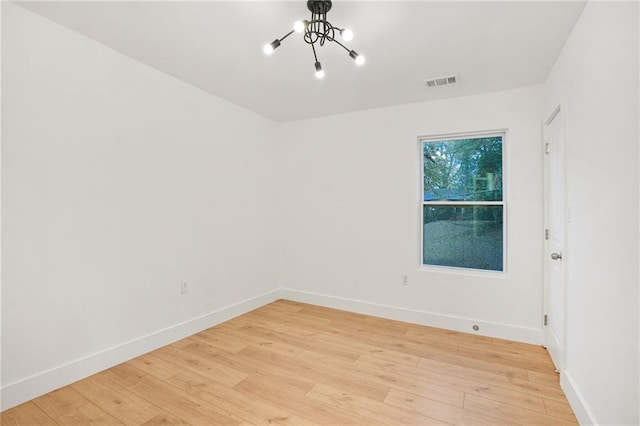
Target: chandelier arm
{"points": [[313, 47], [287, 35]]}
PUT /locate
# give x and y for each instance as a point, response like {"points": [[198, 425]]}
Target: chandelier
{"points": [[318, 31]]}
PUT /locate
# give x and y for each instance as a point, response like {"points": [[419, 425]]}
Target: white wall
{"points": [[118, 183], [351, 215], [596, 81]]}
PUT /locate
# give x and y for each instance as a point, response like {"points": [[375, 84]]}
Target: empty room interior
{"points": [[317, 212]]}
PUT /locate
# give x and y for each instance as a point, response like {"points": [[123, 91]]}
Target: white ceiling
{"points": [[217, 46]]}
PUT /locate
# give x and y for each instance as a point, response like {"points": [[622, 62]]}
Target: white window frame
{"points": [[421, 203]]}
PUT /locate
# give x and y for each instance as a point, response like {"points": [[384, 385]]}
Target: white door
{"points": [[554, 303]]}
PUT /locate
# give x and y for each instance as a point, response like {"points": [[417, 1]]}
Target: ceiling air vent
{"points": [[440, 81]]}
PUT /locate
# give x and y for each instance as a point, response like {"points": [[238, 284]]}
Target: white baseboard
{"points": [[576, 400], [449, 322], [31, 387]]}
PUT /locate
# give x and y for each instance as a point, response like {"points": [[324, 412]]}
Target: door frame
{"points": [[561, 111]]}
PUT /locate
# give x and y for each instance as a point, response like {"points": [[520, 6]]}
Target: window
{"points": [[463, 208]]}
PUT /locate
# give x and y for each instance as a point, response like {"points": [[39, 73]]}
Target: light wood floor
{"points": [[292, 363]]}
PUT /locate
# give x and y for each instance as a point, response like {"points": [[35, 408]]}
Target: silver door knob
{"points": [[556, 256]]}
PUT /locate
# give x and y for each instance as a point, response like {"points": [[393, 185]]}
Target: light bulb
{"points": [[299, 26], [358, 58], [319, 70], [347, 35], [269, 48]]}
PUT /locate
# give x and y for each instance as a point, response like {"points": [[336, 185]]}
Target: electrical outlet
{"points": [[184, 287], [404, 280]]}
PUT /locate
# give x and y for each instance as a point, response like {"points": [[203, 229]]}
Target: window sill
{"points": [[448, 270]]}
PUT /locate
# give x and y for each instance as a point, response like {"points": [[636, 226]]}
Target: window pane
{"points": [[463, 170], [463, 236]]}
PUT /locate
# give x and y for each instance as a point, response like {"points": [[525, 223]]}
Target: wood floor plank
{"points": [[285, 305], [321, 373], [425, 379], [26, 414], [480, 365], [336, 351], [513, 384], [87, 415], [392, 356], [376, 411], [361, 373], [512, 413], [336, 338], [504, 358], [67, 407], [291, 318], [550, 377], [559, 409], [519, 346], [386, 326], [60, 402], [412, 347], [220, 339], [186, 360], [178, 402], [256, 367], [116, 400], [354, 322], [331, 314], [275, 392], [519, 351], [443, 412], [298, 364], [253, 320], [183, 342], [182, 404], [125, 375], [165, 419], [329, 326], [235, 402], [264, 342], [353, 333], [150, 364]]}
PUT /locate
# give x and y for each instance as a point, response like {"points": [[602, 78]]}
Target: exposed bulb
{"points": [[356, 57], [347, 35], [269, 48], [299, 26], [319, 70]]}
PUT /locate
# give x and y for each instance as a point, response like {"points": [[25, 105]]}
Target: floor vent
{"points": [[440, 81]]}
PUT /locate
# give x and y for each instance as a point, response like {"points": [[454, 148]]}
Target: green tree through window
{"points": [[463, 205]]}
